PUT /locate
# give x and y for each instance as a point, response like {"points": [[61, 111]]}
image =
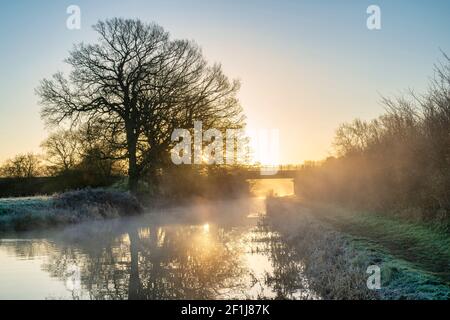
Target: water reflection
{"points": [[144, 258]]}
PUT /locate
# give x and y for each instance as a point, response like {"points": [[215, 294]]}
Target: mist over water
{"points": [[276, 187], [206, 250]]}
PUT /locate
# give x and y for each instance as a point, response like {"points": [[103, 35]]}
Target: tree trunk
{"points": [[134, 286], [133, 176], [133, 172]]}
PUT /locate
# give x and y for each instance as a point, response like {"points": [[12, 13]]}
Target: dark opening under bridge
{"points": [[263, 173]]}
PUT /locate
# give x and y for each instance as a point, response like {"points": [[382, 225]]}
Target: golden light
{"points": [[144, 233], [206, 228], [205, 158]]}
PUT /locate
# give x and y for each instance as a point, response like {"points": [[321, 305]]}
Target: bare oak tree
{"points": [[140, 85]]}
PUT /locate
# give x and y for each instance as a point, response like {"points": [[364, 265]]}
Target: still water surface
{"points": [[216, 250]]}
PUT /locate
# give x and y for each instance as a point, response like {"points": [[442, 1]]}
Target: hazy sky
{"points": [[305, 66]]}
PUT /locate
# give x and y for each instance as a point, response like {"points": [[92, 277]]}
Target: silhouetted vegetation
{"points": [[124, 97], [22, 166], [139, 85], [398, 162], [209, 182], [72, 159], [72, 180]]}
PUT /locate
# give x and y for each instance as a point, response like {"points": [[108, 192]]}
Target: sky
{"points": [[305, 66]]}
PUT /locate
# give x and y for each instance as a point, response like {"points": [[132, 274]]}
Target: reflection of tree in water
{"points": [[27, 249], [122, 260], [285, 278], [174, 262], [187, 262]]}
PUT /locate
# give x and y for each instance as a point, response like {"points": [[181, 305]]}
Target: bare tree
{"points": [[99, 152], [397, 161], [62, 150], [140, 85]]}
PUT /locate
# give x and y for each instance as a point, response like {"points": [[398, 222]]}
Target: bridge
{"points": [[280, 172], [270, 174]]}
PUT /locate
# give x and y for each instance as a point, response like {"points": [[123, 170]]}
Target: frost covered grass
{"points": [[333, 269], [336, 247], [21, 214]]}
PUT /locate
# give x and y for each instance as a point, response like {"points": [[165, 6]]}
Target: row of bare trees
{"points": [[400, 160], [64, 152], [25, 165]]}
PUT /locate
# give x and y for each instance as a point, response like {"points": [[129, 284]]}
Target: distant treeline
{"points": [[175, 183], [32, 186], [397, 162]]}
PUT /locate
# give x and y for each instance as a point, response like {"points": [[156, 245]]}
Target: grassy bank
{"points": [[336, 246], [21, 214]]}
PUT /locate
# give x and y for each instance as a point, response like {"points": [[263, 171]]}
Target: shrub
{"points": [[22, 214]]}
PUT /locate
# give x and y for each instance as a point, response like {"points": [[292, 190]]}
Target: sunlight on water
{"points": [[261, 188], [233, 254]]}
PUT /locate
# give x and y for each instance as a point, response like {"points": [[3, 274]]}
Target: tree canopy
{"points": [[140, 85]]}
